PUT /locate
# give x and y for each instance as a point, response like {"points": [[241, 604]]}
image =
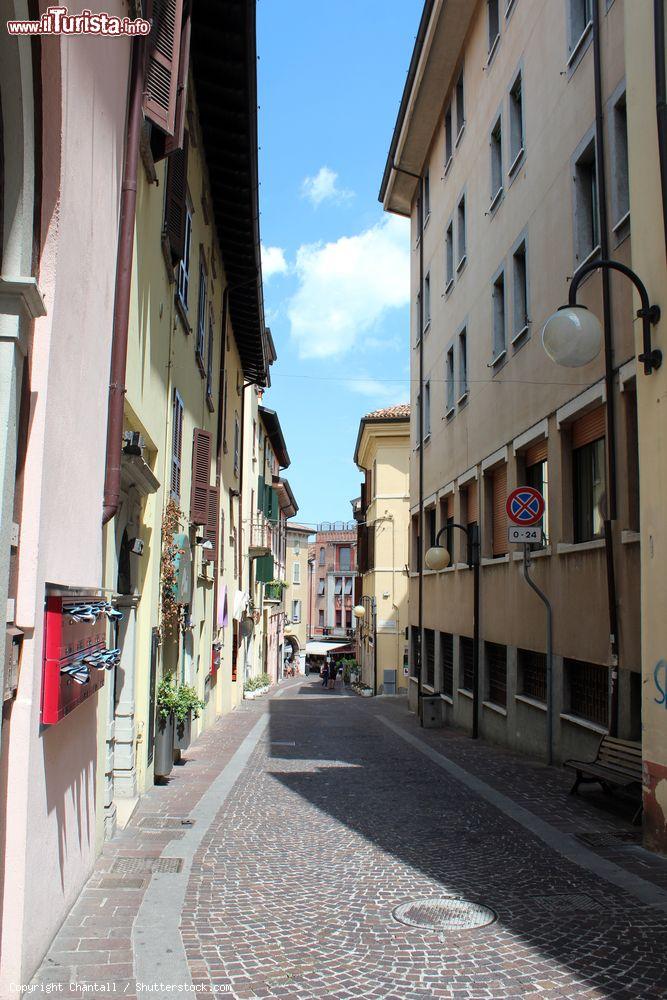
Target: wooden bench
{"points": [[618, 765]]}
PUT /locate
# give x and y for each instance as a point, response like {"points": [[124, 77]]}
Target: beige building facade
{"points": [[296, 594], [382, 453], [498, 122]]}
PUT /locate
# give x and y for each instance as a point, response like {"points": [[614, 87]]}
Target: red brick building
{"points": [[332, 569]]}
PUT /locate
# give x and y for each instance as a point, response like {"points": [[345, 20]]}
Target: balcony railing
{"points": [[273, 593], [261, 536]]}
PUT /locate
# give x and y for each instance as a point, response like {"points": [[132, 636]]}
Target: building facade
{"points": [[382, 453], [508, 205], [334, 569], [296, 594]]}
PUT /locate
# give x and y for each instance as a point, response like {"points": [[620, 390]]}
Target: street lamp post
{"points": [[437, 558], [359, 613]]}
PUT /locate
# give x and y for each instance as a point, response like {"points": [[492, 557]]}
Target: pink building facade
{"points": [[332, 572]]}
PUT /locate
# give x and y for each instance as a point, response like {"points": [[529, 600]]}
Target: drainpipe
{"points": [[121, 314], [219, 440], [611, 512], [661, 99]]}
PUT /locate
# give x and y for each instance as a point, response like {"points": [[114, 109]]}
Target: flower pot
{"points": [[183, 733], [249, 695], [164, 746]]}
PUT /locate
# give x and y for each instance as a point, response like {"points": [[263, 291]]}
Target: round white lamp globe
{"points": [[572, 337], [359, 611], [437, 557]]}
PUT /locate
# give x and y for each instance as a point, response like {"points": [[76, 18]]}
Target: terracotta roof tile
{"points": [[401, 410]]}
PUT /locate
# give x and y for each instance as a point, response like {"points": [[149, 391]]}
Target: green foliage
{"points": [[177, 701], [255, 683], [165, 697], [350, 666]]}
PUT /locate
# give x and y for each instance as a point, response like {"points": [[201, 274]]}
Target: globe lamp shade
{"points": [[359, 611], [572, 337], [437, 557]]}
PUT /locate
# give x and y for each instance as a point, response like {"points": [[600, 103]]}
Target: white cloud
{"points": [[324, 187], [273, 262], [346, 287], [372, 387]]}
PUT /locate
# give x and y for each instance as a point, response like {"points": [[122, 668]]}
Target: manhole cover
{"points": [[442, 914], [164, 822], [135, 866]]}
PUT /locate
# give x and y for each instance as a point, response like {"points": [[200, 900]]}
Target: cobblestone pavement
{"points": [[335, 821]]}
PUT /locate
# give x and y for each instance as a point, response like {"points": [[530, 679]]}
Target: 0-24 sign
{"points": [[523, 536]]}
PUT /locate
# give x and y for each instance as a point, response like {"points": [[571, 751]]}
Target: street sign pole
{"points": [[547, 603]]}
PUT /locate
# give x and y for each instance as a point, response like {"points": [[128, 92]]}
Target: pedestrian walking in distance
{"points": [[325, 675], [333, 671]]}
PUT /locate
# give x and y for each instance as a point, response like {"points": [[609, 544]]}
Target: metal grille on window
{"points": [[496, 661], [447, 662], [588, 685], [466, 654], [533, 674], [429, 656]]}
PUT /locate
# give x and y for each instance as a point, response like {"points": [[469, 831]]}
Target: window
{"points": [[296, 611], [348, 619], [447, 662], [516, 123], [415, 650], [520, 291], [176, 444], [500, 543], [201, 317], [447, 521], [345, 558], [620, 188], [296, 572], [321, 619], [418, 318], [449, 380], [427, 301], [587, 690], [296, 547], [460, 107], [183, 278], [209, 365], [338, 590], [429, 657], [339, 618], [588, 460], [494, 24], [427, 410], [496, 673], [237, 444], [322, 556], [496, 162], [449, 141], [499, 332], [466, 662], [461, 219], [463, 365], [586, 220], [415, 546], [427, 195], [348, 587], [537, 476], [431, 527], [581, 16], [320, 588], [449, 257], [532, 674]]}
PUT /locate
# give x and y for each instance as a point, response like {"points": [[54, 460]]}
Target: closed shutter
{"points": [[201, 474], [162, 71], [472, 503], [447, 662], [500, 542], [175, 201], [176, 444], [536, 453], [589, 428], [371, 548], [172, 143], [211, 528]]}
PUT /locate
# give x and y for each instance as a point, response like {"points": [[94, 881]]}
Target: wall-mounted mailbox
{"points": [[76, 656]]}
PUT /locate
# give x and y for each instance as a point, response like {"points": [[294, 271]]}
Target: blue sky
{"points": [[336, 268]]}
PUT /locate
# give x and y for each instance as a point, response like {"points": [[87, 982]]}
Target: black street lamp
{"points": [[438, 557]]}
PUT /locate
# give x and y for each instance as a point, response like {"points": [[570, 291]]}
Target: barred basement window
{"points": [[496, 663], [532, 674], [429, 656], [588, 690], [466, 658], [447, 662]]}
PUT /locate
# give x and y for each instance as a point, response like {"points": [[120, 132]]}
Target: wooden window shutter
{"points": [[176, 444], [162, 70], [211, 529], [201, 475], [500, 542], [172, 143], [449, 505], [472, 504], [589, 428], [175, 201], [536, 453]]}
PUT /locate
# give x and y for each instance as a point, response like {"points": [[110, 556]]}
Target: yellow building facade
{"points": [[296, 597], [382, 453]]}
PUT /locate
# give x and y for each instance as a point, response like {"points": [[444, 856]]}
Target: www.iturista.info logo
{"points": [[59, 21]]}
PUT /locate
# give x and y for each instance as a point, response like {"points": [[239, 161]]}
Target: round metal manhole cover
{"points": [[444, 914]]}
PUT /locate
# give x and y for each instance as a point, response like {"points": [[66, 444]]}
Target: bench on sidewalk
{"points": [[618, 765]]}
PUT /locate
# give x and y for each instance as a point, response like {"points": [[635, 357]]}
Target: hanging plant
{"points": [[171, 611]]}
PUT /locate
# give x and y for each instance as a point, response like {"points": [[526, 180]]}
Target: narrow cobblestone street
{"points": [[310, 816]]}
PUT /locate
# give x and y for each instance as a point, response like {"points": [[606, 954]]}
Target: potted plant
{"points": [[188, 706], [165, 704]]}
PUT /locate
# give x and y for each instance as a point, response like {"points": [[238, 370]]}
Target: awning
{"points": [[322, 648]]}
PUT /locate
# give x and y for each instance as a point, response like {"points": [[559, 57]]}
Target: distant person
{"points": [[325, 674], [333, 673]]}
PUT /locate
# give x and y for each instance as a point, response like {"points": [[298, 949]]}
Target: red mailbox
{"points": [[66, 641]]}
